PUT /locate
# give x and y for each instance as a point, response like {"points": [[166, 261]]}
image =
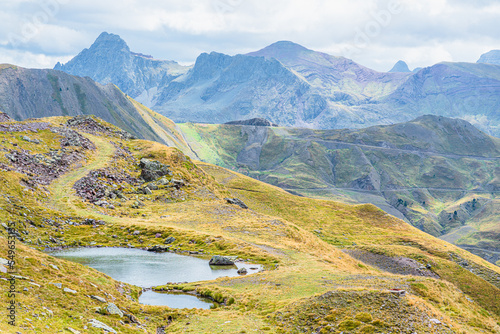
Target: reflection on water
{"points": [[173, 300], [147, 269]]}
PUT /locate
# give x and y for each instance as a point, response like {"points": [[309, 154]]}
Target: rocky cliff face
{"points": [[491, 57], [109, 60]]}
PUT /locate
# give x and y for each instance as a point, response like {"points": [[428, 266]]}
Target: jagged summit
{"points": [[491, 57], [106, 39], [110, 60], [400, 67]]}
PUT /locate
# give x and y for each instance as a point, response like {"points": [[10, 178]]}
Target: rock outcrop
{"points": [[218, 260], [153, 170]]}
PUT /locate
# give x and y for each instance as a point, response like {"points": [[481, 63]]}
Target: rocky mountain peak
{"points": [[108, 41], [491, 57], [281, 50], [400, 67]]}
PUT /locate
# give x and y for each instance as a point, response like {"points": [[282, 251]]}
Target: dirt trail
{"points": [[64, 197]]}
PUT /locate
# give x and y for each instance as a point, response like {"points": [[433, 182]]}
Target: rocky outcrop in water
{"points": [[218, 260]]}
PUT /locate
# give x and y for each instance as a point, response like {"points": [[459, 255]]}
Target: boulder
{"points": [[153, 170], [242, 271], [169, 240], [100, 299], [218, 260], [177, 183], [70, 291], [113, 309], [236, 201], [97, 324], [159, 249]]}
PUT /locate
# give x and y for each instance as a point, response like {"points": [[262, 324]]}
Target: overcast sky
{"points": [[375, 33]]}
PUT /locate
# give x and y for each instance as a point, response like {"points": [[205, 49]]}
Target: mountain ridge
{"points": [[295, 86]]}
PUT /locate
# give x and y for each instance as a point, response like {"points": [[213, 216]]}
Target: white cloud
{"points": [[426, 31], [29, 60]]}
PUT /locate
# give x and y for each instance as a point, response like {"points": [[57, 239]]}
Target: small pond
{"points": [[147, 269], [174, 300]]}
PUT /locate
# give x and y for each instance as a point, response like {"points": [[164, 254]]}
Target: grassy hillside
{"points": [[439, 174], [54, 172]]}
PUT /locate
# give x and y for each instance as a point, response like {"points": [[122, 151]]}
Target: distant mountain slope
{"points": [[437, 173], [491, 57], [31, 93], [291, 85], [465, 90], [401, 67]]}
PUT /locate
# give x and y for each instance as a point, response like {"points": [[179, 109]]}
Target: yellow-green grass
{"points": [[303, 236]]}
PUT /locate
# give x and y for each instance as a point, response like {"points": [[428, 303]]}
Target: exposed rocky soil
{"points": [[394, 265], [42, 168], [103, 183], [88, 124], [20, 127]]}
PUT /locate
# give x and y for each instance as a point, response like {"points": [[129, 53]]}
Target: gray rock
{"points": [[100, 299], [435, 321], [97, 324], [70, 291], [74, 331], [153, 170], [58, 285], [3, 261], [169, 240], [159, 249], [236, 201], [101, 203], [147, 191], [113, 309], [218, 260], [177, 183], [53, 266], [163, 181], [136, 232], [242, 271]]}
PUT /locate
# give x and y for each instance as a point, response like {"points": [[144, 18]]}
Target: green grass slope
{"points": [[310, 283], [439, 174]]}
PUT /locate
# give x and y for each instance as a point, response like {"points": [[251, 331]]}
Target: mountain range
{"points": [[436, 165], [291, 85]]}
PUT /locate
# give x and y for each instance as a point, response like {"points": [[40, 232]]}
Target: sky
{"points": [[374, 33]]}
